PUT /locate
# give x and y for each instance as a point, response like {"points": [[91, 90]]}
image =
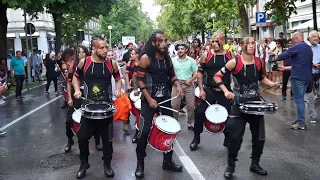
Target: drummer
{"points": [[211, 62], [66, 64], [132, 85], [96, 71], [247, 71], [153, 73]]}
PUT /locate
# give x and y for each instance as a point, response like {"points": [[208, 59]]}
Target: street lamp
{"points": [[110, 28]]}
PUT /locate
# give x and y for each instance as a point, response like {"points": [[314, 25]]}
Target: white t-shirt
{"points": [[272, 45]]}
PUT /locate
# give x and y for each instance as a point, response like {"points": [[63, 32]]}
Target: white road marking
{"points": [[187, 162], [27, 114]]}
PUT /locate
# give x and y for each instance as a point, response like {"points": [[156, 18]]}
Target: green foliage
{"points": [[281, 9], [70, 25], [126, 19]]}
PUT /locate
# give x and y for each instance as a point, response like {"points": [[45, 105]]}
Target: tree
{"points": [[126, 19], [4, 5], [69, 27], [281, 9]]}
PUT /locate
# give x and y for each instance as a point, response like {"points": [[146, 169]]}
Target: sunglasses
{"points": [[215, 41]]}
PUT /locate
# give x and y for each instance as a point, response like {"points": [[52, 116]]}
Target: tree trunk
{"points": [[203, 36], [57, 19], [3, 30], [244, 18]]}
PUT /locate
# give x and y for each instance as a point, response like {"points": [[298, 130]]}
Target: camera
{"points": [[274, 66]]}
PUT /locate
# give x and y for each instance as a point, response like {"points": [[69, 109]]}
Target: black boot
{"points": [[194, 143], [225, 142], [255, 167], [135, 137], [108, 171], [83, 168], [168, 164], [67, 149], [140, 169], [228, 174]]}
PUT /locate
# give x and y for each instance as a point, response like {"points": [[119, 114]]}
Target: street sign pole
{"points": [[27, 47]]}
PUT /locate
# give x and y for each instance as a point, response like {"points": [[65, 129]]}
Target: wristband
{"points": [[219, 84]]}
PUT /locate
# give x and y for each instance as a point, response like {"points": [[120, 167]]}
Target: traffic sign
{"points": [[233, 23], [261, 19], [30, 29]]}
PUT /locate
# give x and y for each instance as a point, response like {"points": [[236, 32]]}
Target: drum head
{"points": [[137, 104], [197, 92], [76, 115], [167, 124], [133, 97], [216, 113]]}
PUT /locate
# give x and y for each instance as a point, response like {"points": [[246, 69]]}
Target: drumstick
{"points": [[169, 109], [167, 100], [87, 99], [207, 102]]}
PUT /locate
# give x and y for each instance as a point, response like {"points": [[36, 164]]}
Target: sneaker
{"points": [[18, 98], [2, 133], [57, 93], [298, 126], [47, 92], [284, 98], [294, 122], [2, 101], [313, 121], [4, 98], [190, 126]]}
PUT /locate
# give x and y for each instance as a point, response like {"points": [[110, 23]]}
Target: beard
{"points": [[101, 56]]}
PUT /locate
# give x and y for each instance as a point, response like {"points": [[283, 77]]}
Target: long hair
{"points": [[151, 50], [67, 53], [77, 60]]}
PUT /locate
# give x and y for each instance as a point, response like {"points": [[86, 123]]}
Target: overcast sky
{"points": [[153, 11]]}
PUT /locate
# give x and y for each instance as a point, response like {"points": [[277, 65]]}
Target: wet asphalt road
{"points": [[33, 148]]}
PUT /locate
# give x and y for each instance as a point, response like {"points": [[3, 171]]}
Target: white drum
{"points": [[133, 97], [197, 92], [76, 115], [216, 116], [137, 104]]}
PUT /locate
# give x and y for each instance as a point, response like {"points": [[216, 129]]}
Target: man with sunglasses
{"points": [[211, 62], [97, 71]]}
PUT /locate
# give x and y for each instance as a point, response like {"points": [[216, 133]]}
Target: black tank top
{"points": [[157, 77], [97, 80], [213, 64], [246, 77]]}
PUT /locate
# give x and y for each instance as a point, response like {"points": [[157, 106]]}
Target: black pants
{"points": [[55, 83], [235, 130], [285, 79], [19, 82], [212, 97], [88, 128], [146, 117]]}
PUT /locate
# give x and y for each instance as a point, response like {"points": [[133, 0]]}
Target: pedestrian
{"points": [[3, 77], [315, 91], [155, 66], [35, 62], [286, 74], [273, 54], [120, 51], [52, 68], [301, 74], [247, 72], [268, 45], [18, 73]]}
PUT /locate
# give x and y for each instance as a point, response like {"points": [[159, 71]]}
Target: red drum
{"points": [[216, 116], [163, 132], [76, 116]]}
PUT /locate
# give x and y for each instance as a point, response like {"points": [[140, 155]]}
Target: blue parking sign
{"points": [[261, 18]]}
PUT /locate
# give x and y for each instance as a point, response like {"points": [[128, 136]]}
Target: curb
{"points": [[26, 90]]}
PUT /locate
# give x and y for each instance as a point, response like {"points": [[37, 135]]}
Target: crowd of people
{"points": [[169, 75]]}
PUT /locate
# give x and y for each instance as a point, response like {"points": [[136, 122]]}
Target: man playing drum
{"points": [[211, 62], [247, 71], [153, 73], [185, 69], [96, 71]]}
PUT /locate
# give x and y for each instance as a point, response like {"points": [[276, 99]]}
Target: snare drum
{"points": [[258, 107], [97, 110], [133, 97], [216, 116], [163, 132], [76, 116]]}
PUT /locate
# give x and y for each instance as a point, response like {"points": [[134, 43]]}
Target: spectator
{"points": [[119, 57], [8, 64], [273, 54], [286, 74], [18, 73], [269, 44], [3, 77], [52, 68], [35, 62], [284, 40], [40, 59], [301, 74]]}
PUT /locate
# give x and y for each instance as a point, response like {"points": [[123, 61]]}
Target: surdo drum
{"points": [[216, 116], [258, 107], [164, 131]]}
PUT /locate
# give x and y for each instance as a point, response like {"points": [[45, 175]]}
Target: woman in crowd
{"points": [[52, 69], [275, 52]]}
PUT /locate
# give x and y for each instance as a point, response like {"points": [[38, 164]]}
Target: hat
{"points": [[180, 44]]}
